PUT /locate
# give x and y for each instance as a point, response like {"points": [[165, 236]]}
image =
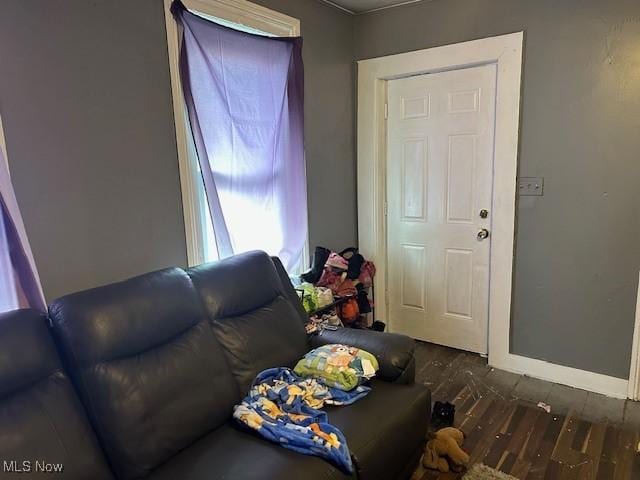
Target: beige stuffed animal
{"points": [[443, 452]]}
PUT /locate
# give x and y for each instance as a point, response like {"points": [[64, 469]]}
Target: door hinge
{"points": [[385, 209], [386, 111]]}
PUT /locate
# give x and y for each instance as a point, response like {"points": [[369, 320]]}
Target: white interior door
{"points": [[439, 185]]}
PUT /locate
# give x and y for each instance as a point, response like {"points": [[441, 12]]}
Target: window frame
{"points": [[241, 12], [3, 144]]}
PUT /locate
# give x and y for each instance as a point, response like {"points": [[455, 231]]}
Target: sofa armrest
{"points": [[395, 353]]}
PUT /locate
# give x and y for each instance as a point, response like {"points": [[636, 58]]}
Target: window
{"points": [[240, 15]]}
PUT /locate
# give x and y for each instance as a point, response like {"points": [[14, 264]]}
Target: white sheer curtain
{"points": [[244, 95], [19, 282], [8, 291]]}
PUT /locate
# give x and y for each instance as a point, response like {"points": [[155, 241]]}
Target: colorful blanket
{"points": [[339, 366], [285, 409]]}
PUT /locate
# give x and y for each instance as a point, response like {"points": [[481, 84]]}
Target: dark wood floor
{"points": [[586, 436]]}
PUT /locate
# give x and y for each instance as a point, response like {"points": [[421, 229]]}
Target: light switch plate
{"points": [[531, 186]]}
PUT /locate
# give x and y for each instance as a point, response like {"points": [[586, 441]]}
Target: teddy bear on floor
{"points": [[443, 451]]}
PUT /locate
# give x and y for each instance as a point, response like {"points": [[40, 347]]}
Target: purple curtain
{"points": [[244, 95], [19, 282]]}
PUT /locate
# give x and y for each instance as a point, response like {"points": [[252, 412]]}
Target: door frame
{"points": [[505, 51]]}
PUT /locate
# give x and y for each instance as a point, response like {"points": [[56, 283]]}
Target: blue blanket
{"points": [[285, 409]]}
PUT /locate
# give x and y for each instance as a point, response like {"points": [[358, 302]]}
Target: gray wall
{"points": [[86, 104], [85, 99], [578, 247], [329, 119]]}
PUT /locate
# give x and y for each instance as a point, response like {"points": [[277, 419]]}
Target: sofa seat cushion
{"points": [[385, 428], [385, 431], [232, 453]]}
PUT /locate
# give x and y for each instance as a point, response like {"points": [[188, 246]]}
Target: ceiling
{"points": [[363, 6]]}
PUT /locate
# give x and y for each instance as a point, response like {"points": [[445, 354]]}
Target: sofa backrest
{"points": [[41, 418], [289, 290], [147, 367], [251, 314]]}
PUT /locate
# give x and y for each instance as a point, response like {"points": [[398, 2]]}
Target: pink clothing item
{"points": [[331, 279], [337, 261], [334, 276], [367, 273]]}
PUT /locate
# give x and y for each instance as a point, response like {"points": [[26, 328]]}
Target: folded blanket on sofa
{"points": [[285, 409]]}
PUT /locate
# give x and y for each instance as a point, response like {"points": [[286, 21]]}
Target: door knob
{"points": [[482, 234]]}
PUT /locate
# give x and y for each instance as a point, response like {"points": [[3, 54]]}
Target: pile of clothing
{"points": [[345, 274], [314, 298], [329, 319]]}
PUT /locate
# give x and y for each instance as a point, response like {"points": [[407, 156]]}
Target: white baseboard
{"points": [[573, 377]]}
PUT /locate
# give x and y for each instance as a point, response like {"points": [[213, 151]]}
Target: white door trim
{"points": [[506, 52], [241, 12], [634, 373]]}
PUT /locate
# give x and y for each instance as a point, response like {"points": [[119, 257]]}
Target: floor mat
{"points": [[481, 472]]}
